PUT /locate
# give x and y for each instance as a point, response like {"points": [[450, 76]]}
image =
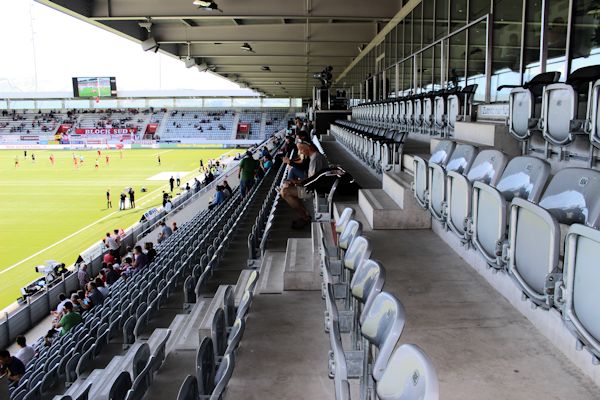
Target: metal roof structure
{"points": [[286, 41]]}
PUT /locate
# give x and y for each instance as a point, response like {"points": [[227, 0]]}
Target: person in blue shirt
{"points": [[218, 199]]}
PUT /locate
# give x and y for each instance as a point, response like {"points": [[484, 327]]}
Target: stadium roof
{"points": [[294, 38]]}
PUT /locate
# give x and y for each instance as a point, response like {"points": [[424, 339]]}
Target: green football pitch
{"points": [[93, 91], [54, 212]]}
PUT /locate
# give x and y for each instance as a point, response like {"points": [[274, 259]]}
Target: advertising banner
{"points": [[30, 137], [105, 131]]}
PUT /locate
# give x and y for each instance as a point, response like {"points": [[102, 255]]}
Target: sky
{"points": [[42, 49]]}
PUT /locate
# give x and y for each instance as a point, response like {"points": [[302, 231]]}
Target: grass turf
{"points": [[41, 204]]}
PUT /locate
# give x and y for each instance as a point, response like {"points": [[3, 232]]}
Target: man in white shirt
{"points": [[111, 243], [25, 353]]}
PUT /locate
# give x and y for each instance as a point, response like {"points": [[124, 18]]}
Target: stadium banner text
{"points": [[105, 131]]}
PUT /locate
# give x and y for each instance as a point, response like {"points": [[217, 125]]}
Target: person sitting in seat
{"points": [[70, 319], [11, 366], [218, 199], [93, 297], [26, 352], [293, 191]]}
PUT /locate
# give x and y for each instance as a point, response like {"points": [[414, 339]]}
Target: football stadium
{"points": [[318, 199]]}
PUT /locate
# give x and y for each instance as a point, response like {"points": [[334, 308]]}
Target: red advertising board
{"points": [[106, 131], [151, 128], [243, 128]]}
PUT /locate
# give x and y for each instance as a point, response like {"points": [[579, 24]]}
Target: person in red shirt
{"points": [[108, 258]]}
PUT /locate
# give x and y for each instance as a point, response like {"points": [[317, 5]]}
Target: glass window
{"points": [[3, 104], [437, 66], [441, 18], [391, 78], [158, 103], [197, 103], [557, 36], [297, 103], [533, 30], [48, 104], [476, 59], [132, 103], [400, 40], [585, 43], [478, 8], [427, 22], [105, 103], [427, 70], [246, 102], [77, 104], [22, 104], [408, 35], [276, 102], [456, 59], [506, 51], [217, 102], [417, 26], [458, 14]]}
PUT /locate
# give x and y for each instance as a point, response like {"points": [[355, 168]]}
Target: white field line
{"points": [[150, 194]]}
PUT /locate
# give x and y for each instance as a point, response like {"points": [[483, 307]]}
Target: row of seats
{"points": [[431, 113], [374, 320], [522, 221], [129, 307]]}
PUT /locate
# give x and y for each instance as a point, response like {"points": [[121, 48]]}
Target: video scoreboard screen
{"points": [[90, 87]]}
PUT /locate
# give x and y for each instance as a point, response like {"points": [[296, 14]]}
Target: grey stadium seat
{"points": [[487, 168], [121, 385], [367, 282], [523, 177], [440, 155], [382, 326], [188, 389], [222, 377], [460, 162], [352, 230], [218, 333], [572, 196], [235, 335], [205, 366], [580, 295], [409, 375]]}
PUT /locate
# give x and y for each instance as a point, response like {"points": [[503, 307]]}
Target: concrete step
{"points": [[407, 162], [398, 186], [271, 273], [382, 212], [338, 208], [486, 134], [301, 266]]}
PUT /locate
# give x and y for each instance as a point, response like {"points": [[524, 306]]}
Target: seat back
{"points": [[427, 112], [594, 114], [439, 112], [252, 281], [343, 220], [520, 109], [353, 229], [188, 389], [120, 386], [524, 177], [487, 168], [222, 376], [459, 161], [559, 108], [140, 359], [359, 250], [573, 197], [367, 282], [581, 274], [409, 375], [229, 306], [218, 332], [235, 335], [442, 152], [244, 305], [205, 366], [382, 326]]}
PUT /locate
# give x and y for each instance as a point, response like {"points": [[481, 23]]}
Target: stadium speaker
{"points": [[150, 44]]}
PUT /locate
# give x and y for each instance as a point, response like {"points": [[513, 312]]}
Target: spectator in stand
{"points": [[141, 260], [111, 242], [117, 237], [59, 308], [129, 252], [165, 231], [174, 226], [11, 366], [69, 320], [267, 162], [93, 297], [108, 258], [112, 276], [149, 247], [227, 189], [100, 286], [82, 275], [25, 353], [247, 170], [294, 192], [218, 199]]}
